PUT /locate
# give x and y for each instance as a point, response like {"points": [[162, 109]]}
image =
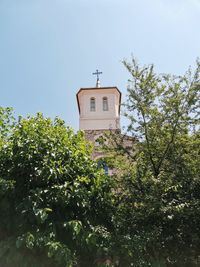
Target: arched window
{"points": [[105, 103], [92, 104]]}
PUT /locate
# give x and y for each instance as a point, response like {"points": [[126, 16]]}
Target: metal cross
{"points": [[97, 73]]}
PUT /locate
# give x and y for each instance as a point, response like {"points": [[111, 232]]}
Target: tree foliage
{"points": [[50, 195], [158, 191]]}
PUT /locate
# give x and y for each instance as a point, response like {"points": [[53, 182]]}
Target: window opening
{"points": [[92, 104], [105, 104]]}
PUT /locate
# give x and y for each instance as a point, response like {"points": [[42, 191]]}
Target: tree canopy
{"points": [[51, 195], [158, 181]]}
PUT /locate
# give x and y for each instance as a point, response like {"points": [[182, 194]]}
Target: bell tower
{"points": [[99, 109]]}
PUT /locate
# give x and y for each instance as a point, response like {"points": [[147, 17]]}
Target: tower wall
{"points": [[99, 119], [96, 121]]}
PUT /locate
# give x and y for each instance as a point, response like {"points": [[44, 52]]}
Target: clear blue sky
{"points": [[49, 48]]}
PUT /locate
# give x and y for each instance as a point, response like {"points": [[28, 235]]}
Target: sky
{"points": [[50, 48]]}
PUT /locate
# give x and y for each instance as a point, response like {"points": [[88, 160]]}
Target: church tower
{"points": [[99, 109]]}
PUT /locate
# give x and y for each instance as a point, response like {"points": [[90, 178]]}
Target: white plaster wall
{"points": [[98, 113], [98, 124]]}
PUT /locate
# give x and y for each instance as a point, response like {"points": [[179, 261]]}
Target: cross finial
{"points": [[97, 73]]}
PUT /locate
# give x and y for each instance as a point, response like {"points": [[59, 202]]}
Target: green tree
{"points": [[158, 192], [52, 196]]}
